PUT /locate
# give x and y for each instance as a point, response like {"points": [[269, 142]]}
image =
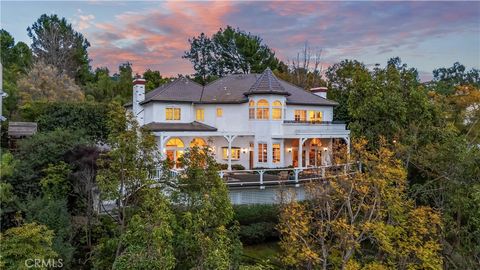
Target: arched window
{"points": [[251, 109], [198, 142], [263, 110], [175, 142], [277, 110]]}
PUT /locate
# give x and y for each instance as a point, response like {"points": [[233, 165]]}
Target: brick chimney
{"points": [[320, 91], [138, 97]]}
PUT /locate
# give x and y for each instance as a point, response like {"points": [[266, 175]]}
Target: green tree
{"points": [[36, 153], [125, 169], [54, 214], [203, 238], [16, 61], [30, 241], [148, 239], [229, 51], [446, 79], [154, 79], [56, 43]]}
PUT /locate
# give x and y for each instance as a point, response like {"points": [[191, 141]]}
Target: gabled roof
{"points": [[233, 89], [267, 83], [193, 126], [179, 90]]}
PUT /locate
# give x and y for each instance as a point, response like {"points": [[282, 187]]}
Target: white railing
{"points": [[288, 176]]}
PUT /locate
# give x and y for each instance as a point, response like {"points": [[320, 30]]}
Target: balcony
{"points": [[298, 127]]}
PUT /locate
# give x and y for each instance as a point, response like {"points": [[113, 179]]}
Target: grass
{"points": [[261, 252]]}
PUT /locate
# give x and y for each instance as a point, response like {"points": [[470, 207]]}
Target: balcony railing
{"points": [[281, 176], [313, 122]]}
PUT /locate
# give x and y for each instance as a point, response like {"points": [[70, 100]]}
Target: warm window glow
{"points": [[172, 113], [262, 152], [315, 116], [300, 115], [175, 142], [235, 153], [198, 142], [277, 110], [251, 103], [219, 112], [200, 115], [276, 153], [262, 110]]}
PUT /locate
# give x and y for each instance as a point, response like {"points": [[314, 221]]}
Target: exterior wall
{"points": [[234, 118]]}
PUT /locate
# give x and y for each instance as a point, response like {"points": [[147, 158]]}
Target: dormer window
{"points": [[263, 111], [277, 110], [172, 113]]}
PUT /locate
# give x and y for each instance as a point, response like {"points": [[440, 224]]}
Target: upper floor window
{"points": [[315, 116], [200, 115], [219, 112], [277, 110], [300, 115], [262, 152], [263, 111], [172, 113], [251, 109]]}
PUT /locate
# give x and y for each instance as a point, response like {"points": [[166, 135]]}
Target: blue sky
{"points": [[153, 34]]}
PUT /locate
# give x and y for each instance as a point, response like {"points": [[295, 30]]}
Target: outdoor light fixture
{"points": [[325, 148], [244, 150], [289, 150]]}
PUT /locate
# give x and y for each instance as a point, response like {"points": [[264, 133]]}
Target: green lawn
{"points": [[261, 252]]}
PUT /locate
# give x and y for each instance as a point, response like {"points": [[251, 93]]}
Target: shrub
{"points": [[235, 167], [257, 233], [254, 213]]}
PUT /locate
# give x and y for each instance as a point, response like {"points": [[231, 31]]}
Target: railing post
{"points": [[261, 172], [296, 172], [323, 172]]}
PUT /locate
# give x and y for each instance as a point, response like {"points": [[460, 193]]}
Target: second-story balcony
{"points": [[299, 127]]}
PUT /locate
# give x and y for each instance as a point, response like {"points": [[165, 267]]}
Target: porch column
{"points": [[347, 140], [230, 139], [301, 141], [163, 140]]}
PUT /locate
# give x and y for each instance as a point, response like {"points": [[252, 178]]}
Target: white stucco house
{"points": [[255, 120]]}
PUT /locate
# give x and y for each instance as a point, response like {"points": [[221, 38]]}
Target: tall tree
{"points": [[229, 51], [45, 83], [446, 79], [16, 61], [126, 168], [154, 79], [361, 220], [56, 43], [203, 238]]}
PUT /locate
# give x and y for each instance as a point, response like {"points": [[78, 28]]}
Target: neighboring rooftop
{"points": [[234, 89], [20, 129]]}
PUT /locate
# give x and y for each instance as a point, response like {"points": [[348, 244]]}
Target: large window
{"points": [[175, 142], [300, 115], [251, 109], [200, 115], [262, 152], [315, 116], [172, 113], [276, 153], [235, 153], [219, 112], [277, 110], [262, 110]]}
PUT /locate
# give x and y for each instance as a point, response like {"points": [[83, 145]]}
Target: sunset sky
{"points": [[154, 35]]}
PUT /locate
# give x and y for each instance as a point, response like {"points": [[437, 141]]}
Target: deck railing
{"points": [[313, 122], [288, 176]]}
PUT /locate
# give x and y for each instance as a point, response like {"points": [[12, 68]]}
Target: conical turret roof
{"points": [[267, 83]]}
